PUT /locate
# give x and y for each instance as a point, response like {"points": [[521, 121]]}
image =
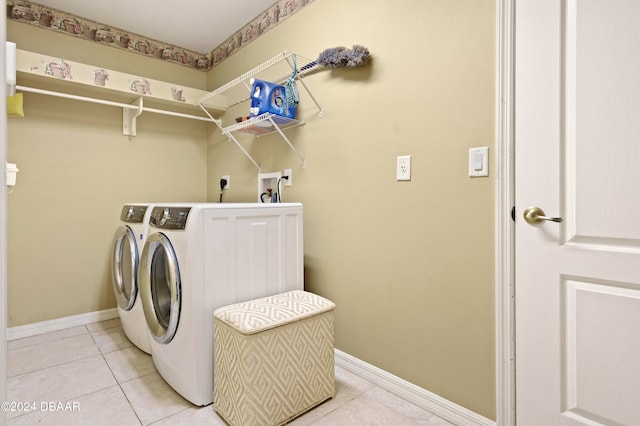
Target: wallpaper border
{"points": [[63, 22]]}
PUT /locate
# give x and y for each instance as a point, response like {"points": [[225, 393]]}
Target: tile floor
{"points": [[93, 375]]}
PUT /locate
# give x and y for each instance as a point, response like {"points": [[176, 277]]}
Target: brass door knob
{"points": [[535, 216]]}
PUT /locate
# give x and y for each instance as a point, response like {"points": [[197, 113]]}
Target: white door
{"points": [[577, 132]]}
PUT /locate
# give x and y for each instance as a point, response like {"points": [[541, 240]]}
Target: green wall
{"points": [[76, 172], [410, 265]]}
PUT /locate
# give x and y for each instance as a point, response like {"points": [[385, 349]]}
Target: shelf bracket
{"points": [[287, 141], [129, 117], [230, 136]]}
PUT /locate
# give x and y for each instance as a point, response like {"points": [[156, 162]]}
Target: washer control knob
{"points": [[165, 216], [130, 213]]}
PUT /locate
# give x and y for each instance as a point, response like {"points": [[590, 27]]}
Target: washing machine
{"points": [[125, 258], [200, 257]]}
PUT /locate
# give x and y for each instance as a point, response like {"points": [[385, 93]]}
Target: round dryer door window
{"points": [[124, 268], [160, 287]]}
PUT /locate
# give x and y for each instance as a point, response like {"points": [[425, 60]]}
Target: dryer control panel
{"points": [[132, 213], [169, 217]]}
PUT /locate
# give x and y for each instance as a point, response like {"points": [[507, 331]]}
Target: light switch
{"points": [[479, 162]]}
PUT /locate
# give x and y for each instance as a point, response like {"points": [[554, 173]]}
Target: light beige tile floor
{"points": [[94, 376]]}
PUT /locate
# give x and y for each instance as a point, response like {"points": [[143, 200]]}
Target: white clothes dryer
{"points": [[125, 259], [200, 257]]}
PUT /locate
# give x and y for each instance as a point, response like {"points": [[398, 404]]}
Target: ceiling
{"points": [[197, 25]]}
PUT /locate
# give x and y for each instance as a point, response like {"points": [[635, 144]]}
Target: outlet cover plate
{"points": [[403, 169], [288, 182]]}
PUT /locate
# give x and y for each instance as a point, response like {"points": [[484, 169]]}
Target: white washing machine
{"points": [[200, 257], [125, 258]]}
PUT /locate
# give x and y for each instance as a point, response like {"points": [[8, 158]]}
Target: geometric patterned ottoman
{"points": [[274, 358]]}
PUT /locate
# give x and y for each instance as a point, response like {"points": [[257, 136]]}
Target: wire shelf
{"points": [[264, 124], [276, 70]]}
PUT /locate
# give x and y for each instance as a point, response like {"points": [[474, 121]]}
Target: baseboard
{"points": [[60, 324], [439, 406]]}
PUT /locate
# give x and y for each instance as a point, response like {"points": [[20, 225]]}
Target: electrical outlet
{"points": [[228, 178], [403, 169], [289, 181]]}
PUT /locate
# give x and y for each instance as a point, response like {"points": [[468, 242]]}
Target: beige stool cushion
{"points": [[274, 358]]}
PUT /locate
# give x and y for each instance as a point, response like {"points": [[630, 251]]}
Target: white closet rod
{"points": [[110, 103], [175, 114]]}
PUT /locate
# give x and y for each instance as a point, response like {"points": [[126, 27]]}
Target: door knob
{"points": [[535, 215]]}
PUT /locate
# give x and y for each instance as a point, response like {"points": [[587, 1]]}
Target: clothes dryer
{"points": [[200, 257], [125, 259]]}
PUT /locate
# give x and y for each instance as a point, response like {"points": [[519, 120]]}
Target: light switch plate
{"points": [[479, 162], [403, 169]]}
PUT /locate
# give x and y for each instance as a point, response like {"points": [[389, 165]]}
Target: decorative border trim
{"points": [[63, 22], [267, 20], [423, 398], [36, 328]]}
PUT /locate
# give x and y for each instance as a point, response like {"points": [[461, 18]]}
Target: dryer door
{"points": [[124, 267], [160, 287]]}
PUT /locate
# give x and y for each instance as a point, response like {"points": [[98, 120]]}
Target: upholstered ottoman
{"points": [[274, 358]]}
